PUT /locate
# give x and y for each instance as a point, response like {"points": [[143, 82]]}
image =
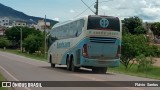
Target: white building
{"points": [[41, 25], [4, 21], [19, 23], [2, 30]]}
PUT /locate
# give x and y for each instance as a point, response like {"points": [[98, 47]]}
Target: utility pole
{"points": [[45, 36], [96, 6], [21, 40]]}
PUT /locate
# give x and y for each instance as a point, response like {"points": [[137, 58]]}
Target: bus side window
{"points": [[80, 26], [57, 34], [75, 29], [72, 30]]}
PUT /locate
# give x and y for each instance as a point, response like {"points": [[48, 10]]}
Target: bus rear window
{"points": [[103, 23]]}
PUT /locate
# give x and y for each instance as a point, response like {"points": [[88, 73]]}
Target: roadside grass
{"points": [[33, 56], [2, 79], [153, 72]]}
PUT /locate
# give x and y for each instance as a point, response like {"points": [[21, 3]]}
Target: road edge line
{"points": [[12, 76]]}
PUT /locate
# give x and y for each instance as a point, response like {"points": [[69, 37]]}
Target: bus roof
{"points": [[61, 23], [66, 22], [101, 16]]}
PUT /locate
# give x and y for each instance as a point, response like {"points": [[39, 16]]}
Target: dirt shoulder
{"points": [[157, 62]]}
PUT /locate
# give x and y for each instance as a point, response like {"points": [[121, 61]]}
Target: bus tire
{"points": [[94, 70], [52, 64], [100, 70], [73, 67], [103, 70], [68, 64]]}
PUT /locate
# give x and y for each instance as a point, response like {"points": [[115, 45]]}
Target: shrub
{"points": [[132, 46], [4, 42], [33, 42], [152, 50], [144, 64]]}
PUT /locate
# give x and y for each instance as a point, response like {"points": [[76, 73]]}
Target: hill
{"points": [[13, 15]]}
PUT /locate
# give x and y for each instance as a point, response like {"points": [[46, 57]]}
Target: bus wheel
{"points": [[95, 70], [68, 64], [101, 70], [52, 64], [73, 67]]}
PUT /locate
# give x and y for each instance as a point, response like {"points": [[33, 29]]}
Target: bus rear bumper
{"points": [[100, 63]]}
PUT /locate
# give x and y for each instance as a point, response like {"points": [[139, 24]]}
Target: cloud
{"points": [[143, 2], [150, 13], [71, 11], [57, 19], [104, 7], [145, 9]]}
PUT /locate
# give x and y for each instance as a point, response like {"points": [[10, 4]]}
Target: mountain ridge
{"points": [[15, 15]]}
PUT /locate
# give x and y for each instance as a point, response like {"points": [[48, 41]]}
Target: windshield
{"points": [[103, 23]]}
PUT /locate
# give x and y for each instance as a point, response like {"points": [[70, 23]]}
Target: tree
{"points": [[4, 42], [140, 30], [124, 30], [155, 27], [13, 34], [133, 24], [33, 43], [132, 46]]}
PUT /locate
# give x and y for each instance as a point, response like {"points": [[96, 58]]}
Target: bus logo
{"points": [[104, 22]]}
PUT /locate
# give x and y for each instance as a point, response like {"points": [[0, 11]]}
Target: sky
{"points": [[62, 10]]}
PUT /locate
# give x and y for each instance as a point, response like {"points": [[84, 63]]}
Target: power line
{"points": [[83, 11], [88, 6]]}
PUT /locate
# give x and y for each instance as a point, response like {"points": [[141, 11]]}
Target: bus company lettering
{"points": [[63, 44], [103, 33]]}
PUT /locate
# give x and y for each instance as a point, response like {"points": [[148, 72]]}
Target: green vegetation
{"points": [[155, 27], [137, 52], [136, 45], [153, 72], [33, 42], [2, 79], [4, 42], [133, 25], [13, 34], [32, 39], [144, 63]]}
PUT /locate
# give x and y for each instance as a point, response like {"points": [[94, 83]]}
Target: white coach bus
{"points": [[92, 42]]}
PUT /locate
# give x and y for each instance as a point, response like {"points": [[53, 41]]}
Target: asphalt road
{"points": [[19, 68]]}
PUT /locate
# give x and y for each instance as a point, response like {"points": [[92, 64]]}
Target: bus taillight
{"points": [[118, 52], [84, 51]]}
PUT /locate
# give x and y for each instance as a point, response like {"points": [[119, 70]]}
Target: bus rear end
{"points": [[103, 44]]}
